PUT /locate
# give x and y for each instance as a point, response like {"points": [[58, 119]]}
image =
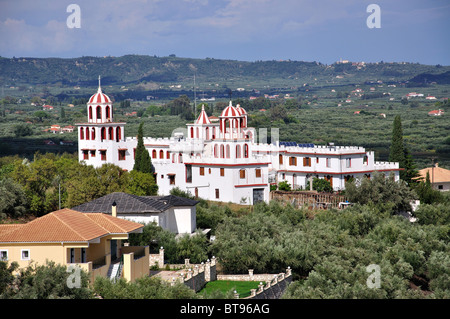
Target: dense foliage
{"points": [[142, 288], [51, 181], [41, 282]]}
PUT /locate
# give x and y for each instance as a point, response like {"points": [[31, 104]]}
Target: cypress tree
{"points": [[400, 153], [397, 153], [142, 161]]}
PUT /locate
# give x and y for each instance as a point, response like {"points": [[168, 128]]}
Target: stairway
{"points": [[114, 270]]}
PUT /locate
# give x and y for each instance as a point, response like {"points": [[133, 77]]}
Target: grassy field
{"points": [[241, 287]]}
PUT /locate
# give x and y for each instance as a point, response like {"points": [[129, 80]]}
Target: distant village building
{"points": [[222, 160], [436, 112], [439, 177]]}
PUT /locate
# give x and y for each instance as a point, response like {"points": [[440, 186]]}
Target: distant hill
{"points": [[426, 78], [135, 69]]}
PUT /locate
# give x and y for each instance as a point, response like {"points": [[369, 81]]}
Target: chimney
{"points": [[114, 209]]}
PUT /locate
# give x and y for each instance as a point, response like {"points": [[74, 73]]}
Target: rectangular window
{"points": [[348, 162], [317, 160], [202, 171], [217, 193], [92, 152], [188, 173], [83, 255], [242, 173], [172, 179], [293, 161], [122, 154], [3, 255], [328, 162], [307, 161], [258, 172], [25, 254], [103, 155], [85, 154], [222, 171], [280, 157]]}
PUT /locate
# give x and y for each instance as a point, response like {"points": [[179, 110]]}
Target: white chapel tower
{"points": [[100, 139]]}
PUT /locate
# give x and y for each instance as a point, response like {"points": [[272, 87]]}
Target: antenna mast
{"points": [[195, 97]]}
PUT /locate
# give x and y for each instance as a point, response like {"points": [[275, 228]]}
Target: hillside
{"points": [[135, 69]]}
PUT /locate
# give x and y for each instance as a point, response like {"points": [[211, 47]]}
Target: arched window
{"points": [[93, 134], [213, 133], [154, 154], [228, 151], [99, 113], [180, 158], [87, 133], [245, 150], [103, 133], [238, 151], [167, 155], [222, 151], [90, 112], [197, 132], [118, 134], [216, 154], [207, 133], [111, 133], [81, 133], [108, 113]]}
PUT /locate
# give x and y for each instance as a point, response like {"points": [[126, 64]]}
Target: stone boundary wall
{"points": [[310, 199], [196, 276], [157, 259], [275, 285], [274, 288], [247, 277]]}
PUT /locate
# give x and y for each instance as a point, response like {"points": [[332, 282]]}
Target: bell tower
{"points": [[100, 139]]}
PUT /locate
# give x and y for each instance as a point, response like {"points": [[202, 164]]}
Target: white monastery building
{"points": [[222, 160]]}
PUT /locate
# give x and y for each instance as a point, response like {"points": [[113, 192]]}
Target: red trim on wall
{"points": [[231, 165], [251, 185], [342, 173]]}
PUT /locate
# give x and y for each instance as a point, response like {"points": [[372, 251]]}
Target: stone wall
{"points": [[313, 200], [275, 285], [195, 276], [157, 259]]}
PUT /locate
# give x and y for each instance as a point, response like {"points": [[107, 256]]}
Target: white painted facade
{"points": [[179, 220], [221, 161]]}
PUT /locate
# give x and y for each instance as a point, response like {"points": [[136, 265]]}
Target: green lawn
{"points": [[241, 287]]}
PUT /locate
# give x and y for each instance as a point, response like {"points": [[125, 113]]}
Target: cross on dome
{"points": [[99, 97]]}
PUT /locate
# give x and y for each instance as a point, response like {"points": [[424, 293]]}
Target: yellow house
{"points": [[92, 241]]}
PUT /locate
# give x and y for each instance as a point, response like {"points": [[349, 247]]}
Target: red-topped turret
{"points": [[100, 107], [203, 117]]}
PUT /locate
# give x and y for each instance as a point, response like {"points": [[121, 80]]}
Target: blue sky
{"points": [[248, 30]]}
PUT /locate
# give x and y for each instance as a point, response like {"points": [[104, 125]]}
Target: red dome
{"points": [[240, 110], [99, 97], [230, 111]]}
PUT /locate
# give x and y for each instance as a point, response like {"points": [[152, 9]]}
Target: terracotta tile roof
{"points": [[67, 225], [5, 228], [437, 175]]}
